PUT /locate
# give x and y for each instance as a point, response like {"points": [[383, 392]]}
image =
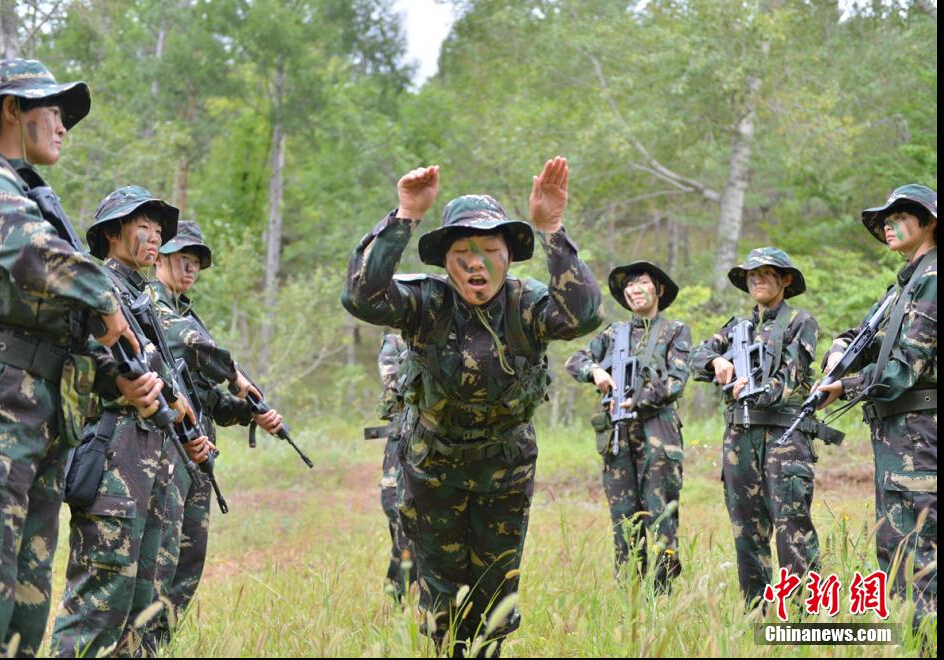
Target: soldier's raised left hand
{"points": [[417, 190], [549, 195]]}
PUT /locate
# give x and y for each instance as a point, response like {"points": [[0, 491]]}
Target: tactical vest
{"points": [[425, 389]]}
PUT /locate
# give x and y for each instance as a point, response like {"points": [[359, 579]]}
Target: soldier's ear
{"points": [[10, 110], [787, 279]]}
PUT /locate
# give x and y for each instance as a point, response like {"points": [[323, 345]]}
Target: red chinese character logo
{"points": [[823, 594], [781, 591], [869, 593]]}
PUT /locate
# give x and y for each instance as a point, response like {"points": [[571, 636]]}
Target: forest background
{"points": [[695, 130]]}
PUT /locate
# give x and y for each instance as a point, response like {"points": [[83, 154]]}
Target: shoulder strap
{"points": [[774, 344], [653, 340], [515, 334], [897, 316]]}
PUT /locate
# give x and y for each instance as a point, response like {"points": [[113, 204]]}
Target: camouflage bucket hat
{"points": [[481, 213], [620, 274], [768, 256], [912, 194], [189, 236], [29, 79], [122, 203]]}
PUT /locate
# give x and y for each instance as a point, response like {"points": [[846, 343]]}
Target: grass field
{"points": [[296, 568]]}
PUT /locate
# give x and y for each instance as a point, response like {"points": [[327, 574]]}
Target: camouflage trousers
{"points": [[113, 547], [183, 550], [467, 519], [400, 549], [31, 485], [905, 448], [639, 482], [769, 489]]}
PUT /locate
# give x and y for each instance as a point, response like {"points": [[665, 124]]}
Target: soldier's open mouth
{"points": [[478, 281]]}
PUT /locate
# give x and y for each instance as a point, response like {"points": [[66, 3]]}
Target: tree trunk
{"points": [[732, 199], [9, 25], [274, 227], [182, 175], [672, 229]]}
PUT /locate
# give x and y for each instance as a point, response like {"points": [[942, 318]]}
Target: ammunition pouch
{"points": [[85, 465], [913, 401], [40, 357], [784, 420], [603, 427]]}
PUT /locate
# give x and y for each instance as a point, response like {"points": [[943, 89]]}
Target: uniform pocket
{"points": [[674, 457], [795, 489], [107, 532], [603, 428], [917, 492]]}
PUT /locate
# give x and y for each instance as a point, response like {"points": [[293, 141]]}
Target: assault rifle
{"points": [[849, 357], [748, 358], [260, 407], [624, 368], [144, 314]]}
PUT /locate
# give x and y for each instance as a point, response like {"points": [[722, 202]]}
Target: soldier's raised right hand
{"points": [[602, 380], [724, 370], [417, 190], [116, 326], [142, 392]]}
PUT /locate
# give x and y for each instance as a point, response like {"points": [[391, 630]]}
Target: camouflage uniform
{"points": [[901, 410], [645, 475], [113, 543], [468, 448], [187, 514], [391, 409], [769, 487], [47, 290]]}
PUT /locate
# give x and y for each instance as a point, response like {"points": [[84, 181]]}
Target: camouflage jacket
{"points": [[209, 363], [791, 379], [672, 349], [42, 278], [469, 361], [388, 363], [131, 284], [912, 363]]}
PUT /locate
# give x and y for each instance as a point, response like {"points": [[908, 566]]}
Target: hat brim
{"points": [[874, 218], [738, 277], [167, 216], [74, 97], [176, 244], [519, 235], [619, 275]]}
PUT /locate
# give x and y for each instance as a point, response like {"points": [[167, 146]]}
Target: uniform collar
{"points": [[637, 321], [769, 314], [905, 273], [129, 274]]}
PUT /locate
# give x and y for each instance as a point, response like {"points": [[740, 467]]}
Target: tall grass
{"points": [[297, 567]]}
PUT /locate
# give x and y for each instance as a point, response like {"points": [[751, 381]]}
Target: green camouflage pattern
{"points": [[187, 515], [645, 476], [912, 193], [113, 544], [189, 236], [904, 445], [390, 409], [465, 503], [768, 488], [123, 203], [768, 256], [481, 213], [30, 79], [46, 288]]}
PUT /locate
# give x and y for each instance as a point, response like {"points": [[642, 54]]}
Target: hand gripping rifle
{"points": [[260, 407], [849, 357], [146, 317], [624, 369], [748, 358]]}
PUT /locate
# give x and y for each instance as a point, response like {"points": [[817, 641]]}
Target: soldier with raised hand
{"points": [[642, 475], [897, 376], [768, 488], [391, 409], [114, 540], [49, 289], [475, 374], [187, 513]]}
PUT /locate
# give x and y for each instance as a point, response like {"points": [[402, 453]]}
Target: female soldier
{"points": [[476, 372]]}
